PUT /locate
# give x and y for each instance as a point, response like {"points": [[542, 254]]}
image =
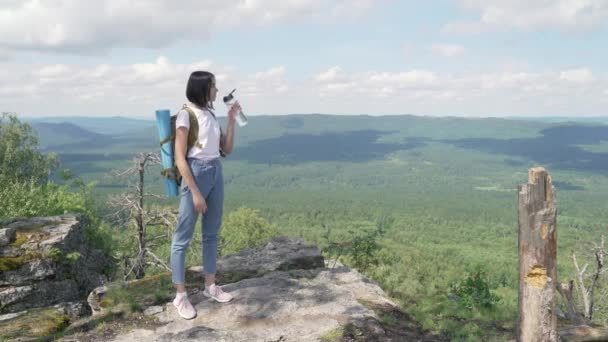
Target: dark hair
{"points": [[199, 88]]}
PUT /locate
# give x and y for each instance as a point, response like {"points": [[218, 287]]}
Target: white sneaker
{"points": [[184, 307], [216, 293]]}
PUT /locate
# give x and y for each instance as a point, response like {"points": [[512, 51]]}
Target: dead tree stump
{"points": [[537, 258]]}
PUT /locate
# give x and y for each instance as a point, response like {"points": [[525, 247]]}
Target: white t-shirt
{"points": [[208, 133]]}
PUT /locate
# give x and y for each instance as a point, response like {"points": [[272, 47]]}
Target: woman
{"points": [[202, 190]]}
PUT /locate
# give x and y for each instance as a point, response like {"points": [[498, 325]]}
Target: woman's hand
{"points": [[234, 111], [200, 205]]}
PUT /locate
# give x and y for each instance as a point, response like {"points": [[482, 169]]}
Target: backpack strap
{"points": [[189, 110], [166, 140], [171, 172], [193, 131], [192, 117]]}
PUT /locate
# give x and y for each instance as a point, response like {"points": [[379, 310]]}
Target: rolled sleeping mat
{"points": [[163, 123]]}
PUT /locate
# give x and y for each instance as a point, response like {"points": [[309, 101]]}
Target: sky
{"points": [[466, 58]]}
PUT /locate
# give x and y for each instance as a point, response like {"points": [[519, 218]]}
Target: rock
{"points": [[36, 271], [10, 295], [286, 294], [29, 272], [75, 309], [360, 286], [38, 294], [280, 253], [10, 252], [153, 310], [7, 235], [282, 292], [10, 316], [94, 299], [195, 334], [275, 307], [40, 323]]}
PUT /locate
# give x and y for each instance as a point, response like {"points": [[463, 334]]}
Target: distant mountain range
{"points": [[101, 125], [53, 134], [92, 147], [127, 135], [558, 119], [121, 124]]}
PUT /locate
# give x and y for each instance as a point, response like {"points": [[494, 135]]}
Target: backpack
{"points": [[173, 172]]}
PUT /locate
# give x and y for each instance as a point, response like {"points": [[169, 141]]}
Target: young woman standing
{"points": [[202, 188]]}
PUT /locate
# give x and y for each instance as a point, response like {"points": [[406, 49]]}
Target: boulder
{"points": [[46, 261]]}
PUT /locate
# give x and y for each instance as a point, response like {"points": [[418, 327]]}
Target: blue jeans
{"points": [[210, 182]]}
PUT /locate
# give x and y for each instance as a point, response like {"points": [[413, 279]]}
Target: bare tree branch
{"points": [[131, 269], [129, 209], [581, 284], [565, 290], [587, 293], [599, 258], [160, 197], [159, 261]]}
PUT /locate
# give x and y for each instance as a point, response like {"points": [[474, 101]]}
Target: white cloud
{"points": [[88, 27], [58, 89], [270, 74], [333, 82], [583, 75], [447, 50], [4, 55], [405, 79], [531, 15], [331, 74], [474, 93], [352, 9], [264, 82], [282, 88], [139, 89]]}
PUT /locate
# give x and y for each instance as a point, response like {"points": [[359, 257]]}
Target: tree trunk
{"points": [[141, 228], [537, 258]]}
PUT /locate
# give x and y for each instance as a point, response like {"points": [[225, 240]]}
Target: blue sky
{"points": [[441, 57]]}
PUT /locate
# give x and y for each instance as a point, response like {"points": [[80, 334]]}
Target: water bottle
{"points": [[229, 100]]}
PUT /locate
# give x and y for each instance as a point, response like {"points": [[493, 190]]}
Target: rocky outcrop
{"points": [[282, 291], [285, 293], [47, 261], [278, 254]]}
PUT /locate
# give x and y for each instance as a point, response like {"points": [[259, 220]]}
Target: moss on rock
{"points": [[37, 323], [20, 239], [12, 263]]}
